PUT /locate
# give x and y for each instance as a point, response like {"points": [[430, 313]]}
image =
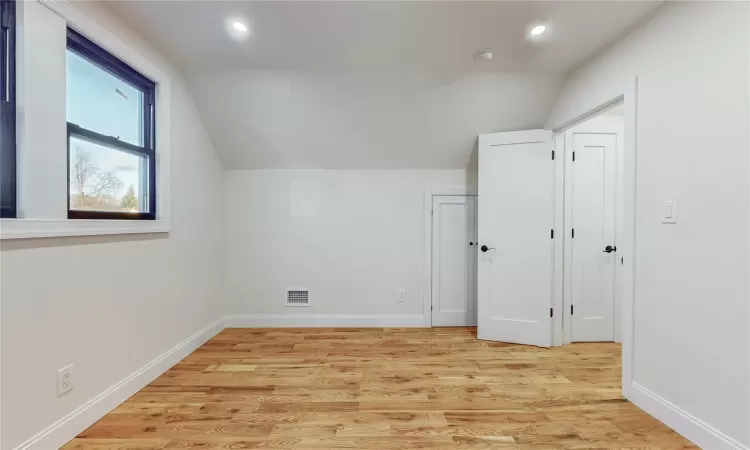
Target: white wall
{"points": [[692, 313], [110, 304], [354, 238]]}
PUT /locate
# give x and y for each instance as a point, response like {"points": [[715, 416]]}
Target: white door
{"points": [[453, 260], [594, 165], [515, 218]]}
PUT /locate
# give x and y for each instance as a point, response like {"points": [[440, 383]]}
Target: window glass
{"points": [[103, 178], [103, 103]]}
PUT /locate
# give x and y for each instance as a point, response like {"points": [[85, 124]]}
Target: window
{"points": [[8, 109], [111, 154]]}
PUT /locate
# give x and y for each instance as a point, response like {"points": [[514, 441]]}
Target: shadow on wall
{"points": [[72, 241], [472, 168]]}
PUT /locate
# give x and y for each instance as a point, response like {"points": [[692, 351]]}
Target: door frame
{"points": [[628, 95], [427, 244], [567, 296]]}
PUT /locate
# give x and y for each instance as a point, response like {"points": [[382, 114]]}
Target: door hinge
{"points": [[571, 310], [574, 156], [553, 155], [573, 233], [551, 234], [551, 312]]}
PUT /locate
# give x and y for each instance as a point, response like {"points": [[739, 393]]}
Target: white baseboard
{"points": [[65, 429], [689, 426], [87, 414], [324, 321]]}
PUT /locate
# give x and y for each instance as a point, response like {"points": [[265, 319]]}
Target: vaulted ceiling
{"points": [[386, 84]]}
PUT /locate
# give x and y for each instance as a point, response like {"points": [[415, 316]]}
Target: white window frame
{"points": [[30, 227]]}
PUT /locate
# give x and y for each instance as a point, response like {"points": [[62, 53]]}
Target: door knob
{"points": [[484, 248], [610, 249]]}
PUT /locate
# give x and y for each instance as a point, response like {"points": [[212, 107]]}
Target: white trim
{"points": [[323, 321], [427, 243], [514, 137], [65, 429], [45, 228], [629, 211], [694, 429], [559, 241], [557, 128], [34, 228]]}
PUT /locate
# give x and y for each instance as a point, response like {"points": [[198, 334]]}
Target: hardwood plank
{"points": [[381, 389], [117, 444]]}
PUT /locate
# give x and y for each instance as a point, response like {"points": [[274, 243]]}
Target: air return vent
{"points": [[297, 297]]}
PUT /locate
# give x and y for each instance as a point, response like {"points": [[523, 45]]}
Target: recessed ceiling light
{"points": [[238, 27], [484, 55], [537, 30]]}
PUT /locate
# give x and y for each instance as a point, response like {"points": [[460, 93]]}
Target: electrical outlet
{"points": [[65, 380], [402, 295]]}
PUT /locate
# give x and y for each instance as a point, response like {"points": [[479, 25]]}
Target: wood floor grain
{"points": [[382, 389]]}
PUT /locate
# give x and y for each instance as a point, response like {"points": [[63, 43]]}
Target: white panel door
{"points": [[593, 220], [453, 260], [515, 218]]}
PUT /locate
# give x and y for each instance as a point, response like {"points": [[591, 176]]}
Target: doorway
{"points": [[454, 236], [524, 288], [593, 210]]}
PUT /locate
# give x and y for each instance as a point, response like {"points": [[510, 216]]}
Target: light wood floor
{"points": [[382, 388]]}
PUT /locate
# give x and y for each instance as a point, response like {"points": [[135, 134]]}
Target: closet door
{"points": [[453, 260], [593, 245]]}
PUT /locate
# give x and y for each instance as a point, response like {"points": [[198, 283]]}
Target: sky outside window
{"points": [[103, 103]]}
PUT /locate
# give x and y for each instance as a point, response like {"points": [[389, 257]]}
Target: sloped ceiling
{"points": [[357, 121], [358, 85]]}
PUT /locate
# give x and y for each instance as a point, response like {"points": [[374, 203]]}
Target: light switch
{"points": [[669, 212]]}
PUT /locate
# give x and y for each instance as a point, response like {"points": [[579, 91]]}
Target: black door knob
{"points": [[609, 249], [484, 248]]}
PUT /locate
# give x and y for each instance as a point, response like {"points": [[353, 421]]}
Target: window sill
{"points": [[50, 228]]}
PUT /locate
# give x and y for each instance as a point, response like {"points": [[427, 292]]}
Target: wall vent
{"points": [[297, 297]]}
